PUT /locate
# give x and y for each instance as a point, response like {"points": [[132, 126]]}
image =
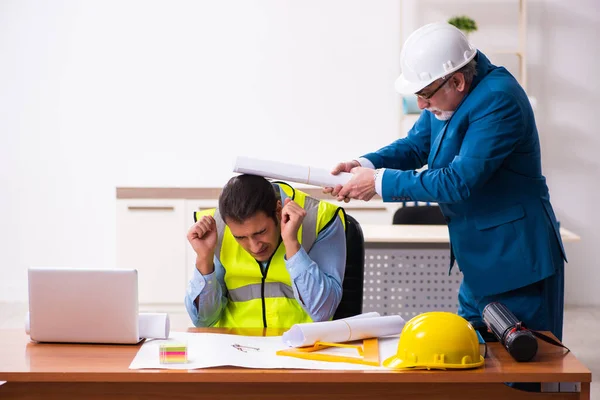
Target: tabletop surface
{"points": [[25, 361], [374, 233]]}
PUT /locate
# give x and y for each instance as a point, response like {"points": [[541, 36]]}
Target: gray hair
{"points": [[469, 71]]}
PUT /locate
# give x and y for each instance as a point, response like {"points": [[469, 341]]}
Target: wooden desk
{"points": [[66, 371]]}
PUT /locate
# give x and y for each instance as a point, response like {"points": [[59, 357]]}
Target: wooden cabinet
{"points": [[151, 239]]}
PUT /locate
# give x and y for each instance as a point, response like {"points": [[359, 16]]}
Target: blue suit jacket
{"points": [[484, 170]]}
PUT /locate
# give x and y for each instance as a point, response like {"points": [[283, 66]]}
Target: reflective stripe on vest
{"points": [[254, 291], [309, 231]]}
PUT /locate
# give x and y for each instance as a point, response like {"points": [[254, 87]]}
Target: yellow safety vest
{"points": [[257, 300]]}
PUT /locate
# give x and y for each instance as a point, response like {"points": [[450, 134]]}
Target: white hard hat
{"points": [[431, 52]]}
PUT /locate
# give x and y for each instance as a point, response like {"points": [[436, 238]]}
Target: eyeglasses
{"points": [[430, 95]]}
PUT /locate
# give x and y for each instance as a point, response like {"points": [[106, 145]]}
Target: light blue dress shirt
{"points": [[317, 278]]}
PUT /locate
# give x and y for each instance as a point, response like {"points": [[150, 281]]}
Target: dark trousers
{"points": [[540, 306]]}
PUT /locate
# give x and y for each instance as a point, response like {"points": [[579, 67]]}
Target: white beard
{"points": [[443, 116]]}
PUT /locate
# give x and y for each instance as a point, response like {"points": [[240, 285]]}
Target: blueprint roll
{"points": [[362, 326], [290, 172], [154, 325]]}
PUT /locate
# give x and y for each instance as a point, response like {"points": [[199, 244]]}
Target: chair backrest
{"points": [[419, 215], [352, 298]]}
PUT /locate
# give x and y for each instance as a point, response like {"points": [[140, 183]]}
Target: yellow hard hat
{"points": [[437, 340]]}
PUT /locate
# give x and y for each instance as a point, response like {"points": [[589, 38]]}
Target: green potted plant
{"points": [[464, 23]]}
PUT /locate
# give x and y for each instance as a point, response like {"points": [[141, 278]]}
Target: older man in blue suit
{"points": [[478, 137]]}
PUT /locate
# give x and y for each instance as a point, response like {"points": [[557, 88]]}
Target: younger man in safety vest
{"points": [[268, 256]]}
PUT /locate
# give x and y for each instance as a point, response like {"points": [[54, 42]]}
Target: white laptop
{"points": [[83, 305]]}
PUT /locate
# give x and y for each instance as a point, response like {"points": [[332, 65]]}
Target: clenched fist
{"points": [[292, 216], [203, 238]]}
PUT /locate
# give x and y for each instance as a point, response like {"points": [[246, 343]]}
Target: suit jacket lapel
{"points": [[483, 68], [435, 148], [462, 107]]}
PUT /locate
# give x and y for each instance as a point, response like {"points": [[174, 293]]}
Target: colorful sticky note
{"points": [[173, 353]]}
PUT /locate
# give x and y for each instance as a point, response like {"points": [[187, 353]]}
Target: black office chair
{"points": [[419, 215], [352, 298]]}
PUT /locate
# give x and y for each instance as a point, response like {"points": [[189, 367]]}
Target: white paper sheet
{"points": [[214, 350], [343, 330], [290, 172]]}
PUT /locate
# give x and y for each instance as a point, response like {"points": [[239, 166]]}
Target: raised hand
{"points": [[292, 216], [361, 186], [203, 238]]}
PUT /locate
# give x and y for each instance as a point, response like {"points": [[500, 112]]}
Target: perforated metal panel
{"points": [[408, 282]]}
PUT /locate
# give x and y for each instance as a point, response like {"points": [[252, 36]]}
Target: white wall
{"points": [[564, 75], [100, 94], [95, 95]]}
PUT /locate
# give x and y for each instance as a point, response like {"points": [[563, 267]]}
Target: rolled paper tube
{"points": [[290, 172]]}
